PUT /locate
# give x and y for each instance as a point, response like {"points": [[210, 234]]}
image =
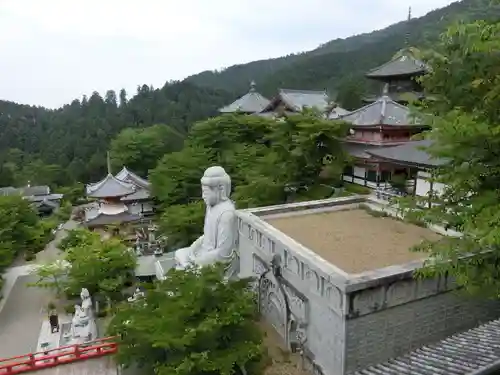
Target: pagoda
{"points": [[383, 123], [400, 74], [250, 103], [119, 199]]}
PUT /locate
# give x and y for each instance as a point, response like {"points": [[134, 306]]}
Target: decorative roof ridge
{"points": [[132, 175], [402, 53], [91, 188], [303, 91]]}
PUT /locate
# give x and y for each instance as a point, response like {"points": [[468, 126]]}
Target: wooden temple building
{"points": [[285, 102], [250, 103], [41, 197], [119, 199], [385, 121]]}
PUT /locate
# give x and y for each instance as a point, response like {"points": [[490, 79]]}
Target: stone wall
{"points": [[345, 322], [402, 315]]}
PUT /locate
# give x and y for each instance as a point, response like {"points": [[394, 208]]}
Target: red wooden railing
{"points": [[58, 356]]}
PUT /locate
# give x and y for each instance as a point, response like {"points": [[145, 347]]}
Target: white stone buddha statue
{"points": [[219, 232]]}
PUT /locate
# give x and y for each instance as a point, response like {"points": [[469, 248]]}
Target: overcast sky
{"points": [[52, 51]]}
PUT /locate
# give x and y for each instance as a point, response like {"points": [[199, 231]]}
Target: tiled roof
{"points": [[337, 112], [110, 186], [139, 194], [360, 150], [26, 191], [251, 102], [399, 97], [49, 197], [412, 152], [103, 219], [467, 353], [131, 177], [384, 111], [300, 99], [402, 64]]}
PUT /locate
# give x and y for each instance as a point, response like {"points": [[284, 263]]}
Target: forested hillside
{"points": [[60, 147]]}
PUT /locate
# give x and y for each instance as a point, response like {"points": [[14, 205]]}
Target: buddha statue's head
{"points": [[215, 186]]}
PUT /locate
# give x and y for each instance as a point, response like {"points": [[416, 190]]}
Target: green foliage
{"points": [[140, 148], [268, 161], [183, 223], [52, 276], [192, 323], [19, 228], [465, 82], [99, 265], [77, 237]]}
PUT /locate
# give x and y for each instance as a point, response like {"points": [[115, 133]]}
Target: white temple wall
{"points": [[140, 207]]}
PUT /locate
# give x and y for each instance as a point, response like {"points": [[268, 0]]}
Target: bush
{"points": [[69, 309], [357, 189]]}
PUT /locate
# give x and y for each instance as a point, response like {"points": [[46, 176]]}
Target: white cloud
{"points": [[56, 50]]}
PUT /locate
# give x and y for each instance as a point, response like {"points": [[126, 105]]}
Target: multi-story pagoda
{"points": [[399, 74], [250, 103], [382, 123], [120, 199]]}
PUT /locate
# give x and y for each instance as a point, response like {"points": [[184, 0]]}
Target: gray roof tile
{"points": [[110, 186], [461, 354], [402, 64], [300, 99], [384, 111], [337, 112], [103, 219], [251, 102], [131, 177], [139, 194], [26, 191], [412, 153]]}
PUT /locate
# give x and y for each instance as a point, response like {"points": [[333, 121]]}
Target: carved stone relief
{"points": [[400, 292], [333, 296], [273, 305], [298, 305], [367, 301]]}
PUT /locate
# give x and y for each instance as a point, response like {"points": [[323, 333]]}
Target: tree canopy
{"points": [[192, 323], [465, 118], [270, 162]]}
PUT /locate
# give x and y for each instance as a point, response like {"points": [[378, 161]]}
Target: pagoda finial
{"points": [[108, 162], [252, 86], [407, 36]]}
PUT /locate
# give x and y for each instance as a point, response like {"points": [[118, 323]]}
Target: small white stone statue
{"points": [[219, 233], [86, 301]]}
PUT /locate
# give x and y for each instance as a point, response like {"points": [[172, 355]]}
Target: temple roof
{"points": [[26, 191], [139, 194], [251, 102], [103, 219], [411, 153], [337, 112], [403, 64], [297, 100], [472, 352], [109, 187], [384, 111], [131, 177]]}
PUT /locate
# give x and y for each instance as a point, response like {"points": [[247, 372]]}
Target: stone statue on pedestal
{"points": [[217, 244]]}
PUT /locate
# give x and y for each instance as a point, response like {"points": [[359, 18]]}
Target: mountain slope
{"points": [[300, 70]]}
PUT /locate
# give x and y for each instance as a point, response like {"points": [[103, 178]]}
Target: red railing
{"points": [[58, 356]]}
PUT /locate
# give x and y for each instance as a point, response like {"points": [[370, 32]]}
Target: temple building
{"points": [[289, 101], [123, 198], [419, 163], [382, 123], [250, 103], [40, 196]]}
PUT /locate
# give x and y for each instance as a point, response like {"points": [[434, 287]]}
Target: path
{"points": [[22, 307]]}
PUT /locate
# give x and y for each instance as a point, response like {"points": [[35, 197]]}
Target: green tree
{"points": [[192, 323], [465, 84], [52, 276], [78, 237], [97, 264], [140, 149], [18, 228]]}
